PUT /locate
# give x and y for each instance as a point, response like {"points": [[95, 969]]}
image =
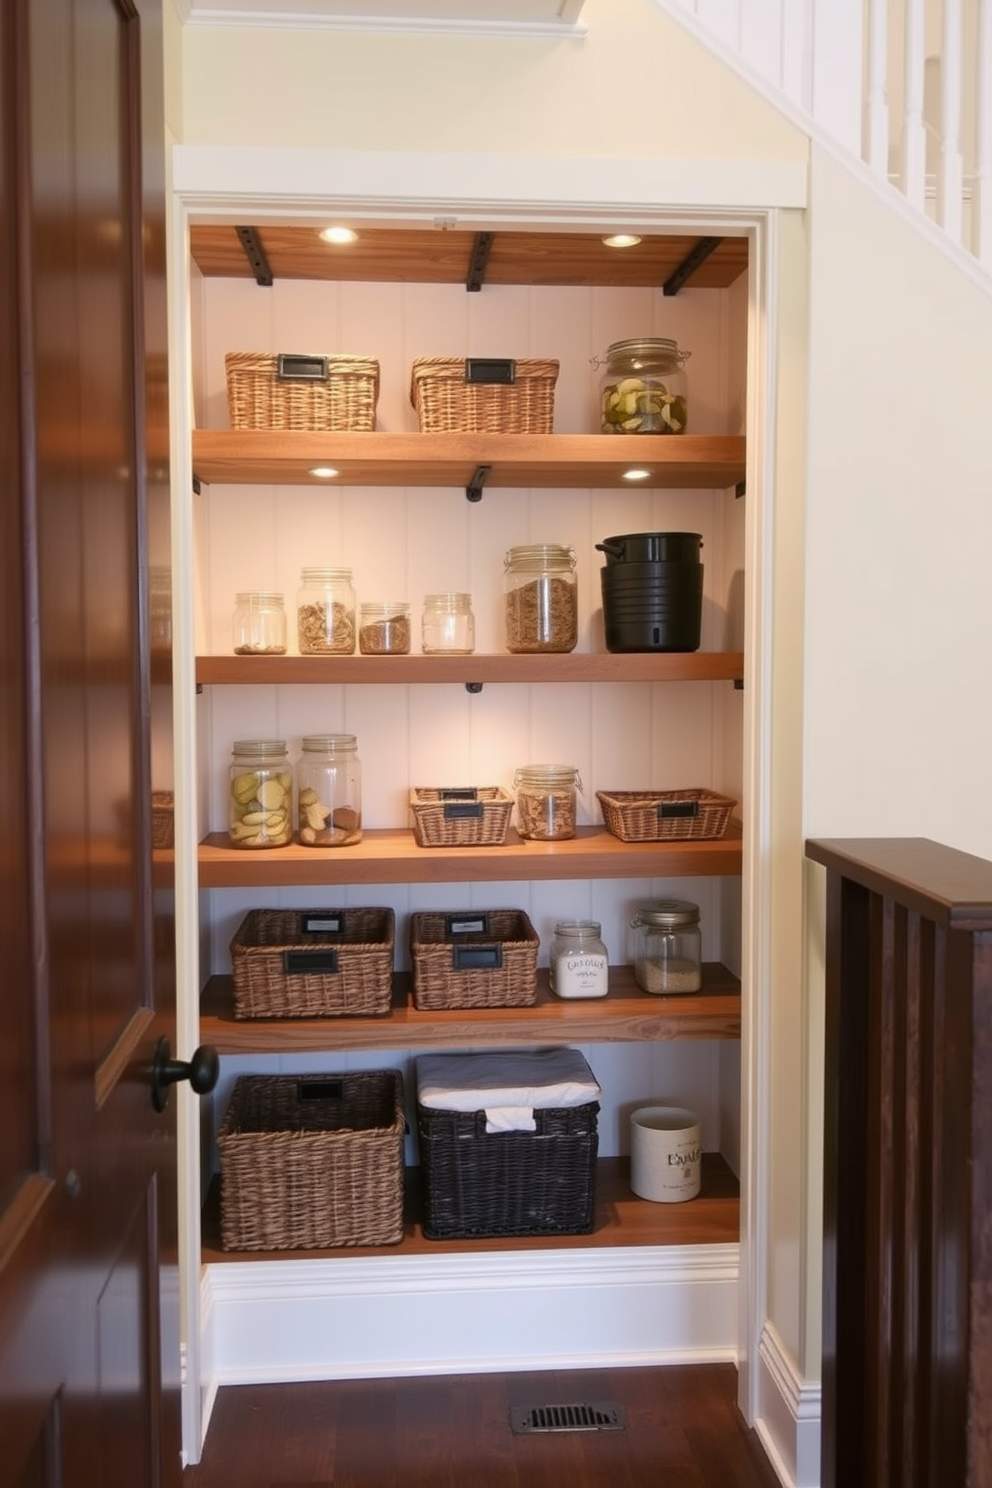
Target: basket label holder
{"points": [[669, 809], [321, 962], [294, 367]]}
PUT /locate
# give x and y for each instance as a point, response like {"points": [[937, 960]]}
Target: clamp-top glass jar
{"points": [[644, 390], [666, 948], [546, 801], [260, 799], [540, 598], [578, 963], [325, 612], [329, 791]]}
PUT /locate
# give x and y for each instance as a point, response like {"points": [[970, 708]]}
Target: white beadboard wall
{"points": [[403, 543]]}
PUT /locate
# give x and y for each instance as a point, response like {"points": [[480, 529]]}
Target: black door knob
{"points": [[201, 1071]]}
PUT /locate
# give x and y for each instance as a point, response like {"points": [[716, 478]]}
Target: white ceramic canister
{"points": [[665, 1154]]}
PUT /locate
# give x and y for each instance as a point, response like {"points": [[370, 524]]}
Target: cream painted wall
{"points": [[636, 86]]}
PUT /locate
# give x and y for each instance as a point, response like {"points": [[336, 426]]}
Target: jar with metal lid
{"points": [[667, 946], [578, 963], [546, 806], [384, 629], [259, 623], [540, 598], [644, 388], [325, 613], [260, 798], [329, 791], [448, 625]]}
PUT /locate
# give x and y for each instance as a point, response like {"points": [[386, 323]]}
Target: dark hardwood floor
{"points": [[683, 1430]]}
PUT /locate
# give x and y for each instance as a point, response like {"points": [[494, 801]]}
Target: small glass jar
{"points": [[667, 949], [578, 963], [540, 598], [259, 623], [160, 607], [260, 798], [644, 387], [384, 629], [546, 806], [447, 625], [325, 613], [329, 791]]}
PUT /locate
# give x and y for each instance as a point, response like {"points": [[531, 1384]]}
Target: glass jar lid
{"points": [[666, 914], [257, 748], [587, 928], [547, 775], [537, 556], [647, 351], [448, 604], [326, 575], [264, 597], [329, 743]]}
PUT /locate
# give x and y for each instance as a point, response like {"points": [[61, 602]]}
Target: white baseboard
{"points": [[788, 1421], [349, 1318]]}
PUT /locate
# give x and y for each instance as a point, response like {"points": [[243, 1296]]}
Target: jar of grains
{"points": [[329, 791], [546, 801], [384, 629], [325, 612], [448, 625], [260, 799], [666, 949], [578, 964], [259, 623], [540, 598], [643, 390]]}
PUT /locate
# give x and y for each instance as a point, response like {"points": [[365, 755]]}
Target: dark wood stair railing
{"points": [[907, 1224]]}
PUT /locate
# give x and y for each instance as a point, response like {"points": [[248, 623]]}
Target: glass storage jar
{"points": [[325, 613], [546, 807], [666, 949], [160, 607], [540, 598], [448, 625], [259, 623], [643, 389], [260, 798], [329, 791], [578, 963], [384, 629]]}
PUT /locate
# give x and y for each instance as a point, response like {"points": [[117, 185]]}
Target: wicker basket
{"points": [[163, 819], [312, 1162], [282, 391], [473, 816], [663, 816], [476, 396], [313, 963], [473, 959]]}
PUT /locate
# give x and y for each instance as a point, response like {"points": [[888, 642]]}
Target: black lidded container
{"points": [[652, 586]]}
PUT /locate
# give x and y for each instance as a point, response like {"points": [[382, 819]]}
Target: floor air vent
{"points": [[599, 1415]]}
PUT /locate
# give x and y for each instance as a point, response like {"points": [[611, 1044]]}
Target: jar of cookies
{"points": [[329, 791]]}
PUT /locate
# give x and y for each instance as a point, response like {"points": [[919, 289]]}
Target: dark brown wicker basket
{"points": [[661, 816], [473, 959], [447, 400], [312, 1161], [479, 1183], [267, 390], [313, 963], [476, 816]]}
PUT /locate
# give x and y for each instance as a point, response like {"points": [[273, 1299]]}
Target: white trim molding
{"points": [[788, 1416]]}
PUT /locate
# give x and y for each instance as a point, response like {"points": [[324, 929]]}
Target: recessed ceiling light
{"points": [[622, 240], [636, 474], [339, 235], [324, 472]]}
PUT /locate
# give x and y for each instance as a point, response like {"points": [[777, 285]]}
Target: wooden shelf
{"points": [[560, 461], [391, 855], [625, 1015], [668, 666], [622, 1219]]}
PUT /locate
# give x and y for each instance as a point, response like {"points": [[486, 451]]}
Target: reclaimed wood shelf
{"points": [[625, 1015], [391, 855], [622, 1219], [665, 666]]}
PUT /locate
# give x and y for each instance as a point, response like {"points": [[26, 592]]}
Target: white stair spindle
{"points": [[876, 145], [950, 184], [982, 195], [913, 147]]}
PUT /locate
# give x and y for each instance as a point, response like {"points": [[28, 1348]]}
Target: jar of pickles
{"points": [[329, 791], [643, 389], [666, 948], [546, 806], [325, 612], [540, 598], [260, 797], [259, 623]]}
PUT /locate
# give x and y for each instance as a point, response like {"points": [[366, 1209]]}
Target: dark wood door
{"points": [[89, 1347]]}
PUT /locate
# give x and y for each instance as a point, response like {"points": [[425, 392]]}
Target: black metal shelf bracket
{"points": [[473, 491], [689, 265], [481, 248], [255, 254], [473, 687]]}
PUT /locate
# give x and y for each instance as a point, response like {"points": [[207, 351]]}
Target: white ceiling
{"points": [[379, 14]]}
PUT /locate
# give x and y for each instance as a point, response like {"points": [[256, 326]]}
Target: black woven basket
{"points": [[476, 1183]]}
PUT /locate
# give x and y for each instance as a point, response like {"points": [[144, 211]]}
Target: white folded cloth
{"points": [[508, 1084]]}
